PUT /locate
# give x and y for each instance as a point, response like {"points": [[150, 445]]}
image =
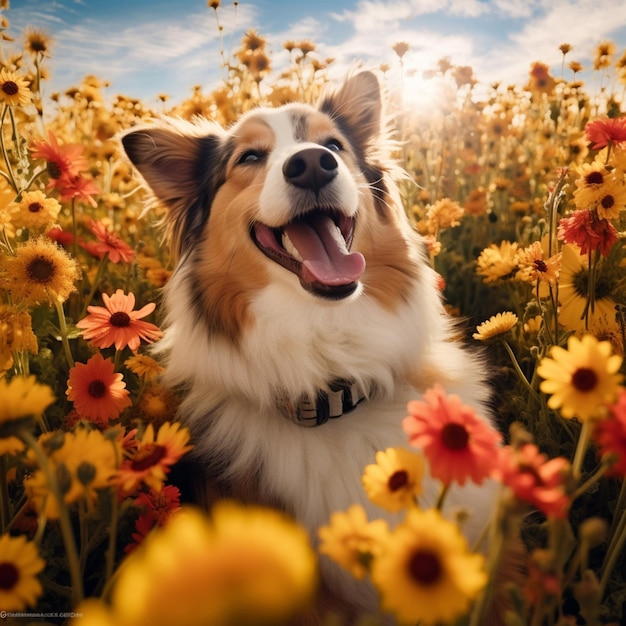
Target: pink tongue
{"points": [[326, 258]]}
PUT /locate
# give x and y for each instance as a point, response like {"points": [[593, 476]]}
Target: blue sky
{"points": [[146, 47]]}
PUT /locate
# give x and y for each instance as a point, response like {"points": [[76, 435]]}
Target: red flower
{"points": [[535, 479], [605, 131], [589, 232], [98, 393], [61, 160], [158, 507], [109, 243], [76, 187], [610, 435], [117, 323], [458, 444]]}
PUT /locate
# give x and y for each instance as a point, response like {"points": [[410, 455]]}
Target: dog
{"points": [[302, 314]]}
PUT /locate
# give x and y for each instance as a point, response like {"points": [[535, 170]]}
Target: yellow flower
{"points": [[495, 325], [14, 89], [582, 378], [16, 334], [19, 565], [157, 404], [35, 210], [395, 479], [351, 541], [496, 262], [444, 213], [573, 288], [39, 272], [533, 267], [143, 365], [426, 572], [21, 397], [85, 462], [244, 565], [533, 325]]}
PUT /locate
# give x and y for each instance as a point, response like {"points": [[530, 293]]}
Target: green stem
{"points": [[613, 553], [63, 329], [5, 154], [591, 481], [64, 516], [519, 372], [94, 286], [442, 496], [581, 448]]}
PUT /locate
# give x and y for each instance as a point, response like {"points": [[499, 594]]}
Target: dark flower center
{"points": [[54, 169], [96, 388], [541, 266], [41, 270], [607, 202], [35, 207], [10, 88], [398, 480], [120, 319], [148, 456], [9, 575], [425, 567], [585, 379], [594, 178], [454, 436]]}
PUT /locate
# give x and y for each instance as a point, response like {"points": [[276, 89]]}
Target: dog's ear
{"points": [[356, 107], [179, 163]]}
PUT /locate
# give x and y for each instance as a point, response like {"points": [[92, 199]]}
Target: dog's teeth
{"points": [[290, 248]]}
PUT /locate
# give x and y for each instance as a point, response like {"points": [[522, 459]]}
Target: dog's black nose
{"points": [[311, 168]]}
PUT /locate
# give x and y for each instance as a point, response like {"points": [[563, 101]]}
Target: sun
{"points": [[426, 95]]}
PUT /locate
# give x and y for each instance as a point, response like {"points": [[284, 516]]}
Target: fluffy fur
{"points": [[247, 337]]}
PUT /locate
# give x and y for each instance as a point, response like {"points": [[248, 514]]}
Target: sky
{"points": [[144, 48]]}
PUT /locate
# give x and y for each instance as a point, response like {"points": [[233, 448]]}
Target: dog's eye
{"points": [[251, 156], [334, 145]]}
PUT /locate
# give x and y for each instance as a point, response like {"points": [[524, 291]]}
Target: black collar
{"points": [[342, 397]]}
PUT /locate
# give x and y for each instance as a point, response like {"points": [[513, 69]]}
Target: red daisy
{"points": [[605, 131], [98, 393], [76, 186], [117, 323], [61, 160], [589, 232], [458, 444], [535, 479], [610, 435], [109, 243]]}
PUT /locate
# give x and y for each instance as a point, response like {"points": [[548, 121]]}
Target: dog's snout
{"points": [[311, 168]]}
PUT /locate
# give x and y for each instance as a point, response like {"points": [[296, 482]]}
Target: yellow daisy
{"points": [[157, 404], [573, 292], [351, 541], [533, 267], [395, 479], [19, 565], [143, 365], [35, 210], [40, 272], [426, 572], [497, 262], [582, 378], [85, 462], [496, 325], [14, 89], [22, 397], [245, 565]]}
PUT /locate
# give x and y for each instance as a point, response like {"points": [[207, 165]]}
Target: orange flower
{"points": [[458, 444], [535, 479], [65, 160], [605, 131], [98, 393], [152, 460], [117, 323], [609, 435], [109, 243]]}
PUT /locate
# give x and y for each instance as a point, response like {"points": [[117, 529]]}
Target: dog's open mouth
{"points": [[315, 247]]}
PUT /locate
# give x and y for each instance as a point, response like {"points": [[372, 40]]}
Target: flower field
{"points": [[520, 194]]}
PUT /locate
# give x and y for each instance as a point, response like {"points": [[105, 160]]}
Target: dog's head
{"points": [[296, 195]]}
